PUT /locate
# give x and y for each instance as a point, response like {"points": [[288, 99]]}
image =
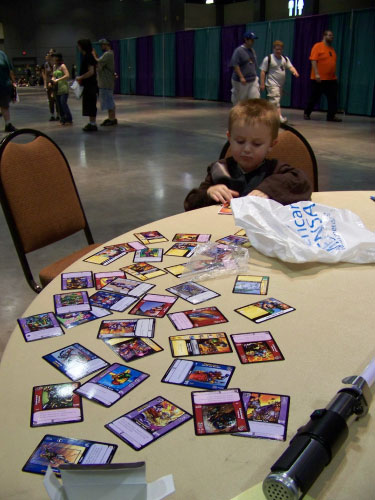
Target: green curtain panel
{"points": [[165, 64], [263, 45], [128, 65], [207, 47]]}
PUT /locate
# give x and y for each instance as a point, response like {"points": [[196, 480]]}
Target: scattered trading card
{"points": [[177, 270], [199, 344], [234, 239], [70, 320], [40, 326], [71, 302], [198, 374], [267, 415], [148, 255], [264, 310], [253, 285], [112, 384], [150, 237], [154, 305], [197, 318], [225, 210], [102, 279], [126, 328], [143, 271], [241, 232], [75, 361], [192, 237], [181, 249], [55, 404], [106, 256], [128, 287], [150, 421], [130, 246], [133, 348], [218, 412], [111, 300], [256, 347], [193, 292], [75, 281], [57, 450]]}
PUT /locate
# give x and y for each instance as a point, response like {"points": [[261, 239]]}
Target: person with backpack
{"points": [[272, 74]]}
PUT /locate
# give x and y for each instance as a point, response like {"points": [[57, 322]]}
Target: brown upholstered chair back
{"points": [[41, 193]]}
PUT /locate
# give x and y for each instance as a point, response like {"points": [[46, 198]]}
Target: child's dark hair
{"points": [[58, 57], [85, 45], [256, 110]]}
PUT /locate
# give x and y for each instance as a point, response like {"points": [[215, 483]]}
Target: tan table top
{"points": [[328, 337]]}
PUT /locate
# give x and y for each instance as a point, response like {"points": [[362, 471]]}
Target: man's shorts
{"points": [[106, 99], [274, 95], [241, 92]]}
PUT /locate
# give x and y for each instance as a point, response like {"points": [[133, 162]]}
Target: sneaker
{"points": [[334, 119], [52, 119], [90, 128], [103, 124], [306, 116], [9, 128], [109, 123]]}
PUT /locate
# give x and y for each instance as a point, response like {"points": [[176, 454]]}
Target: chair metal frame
{"points": [[284, 126], [8, 212]]}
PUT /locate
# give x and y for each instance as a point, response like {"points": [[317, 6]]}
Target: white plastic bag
{"points": [[304, 231], [77, 89]]}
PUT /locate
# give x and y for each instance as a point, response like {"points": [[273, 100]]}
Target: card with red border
{"points": [[55, 404], [256, 347], [155, 306], [197, 318], [102, 279]]}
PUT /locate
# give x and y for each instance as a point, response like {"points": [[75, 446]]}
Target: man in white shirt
{"points": [[272, 74]]}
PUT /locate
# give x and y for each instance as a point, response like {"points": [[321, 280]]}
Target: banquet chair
{"points": [[40, 200], [292, 148]]}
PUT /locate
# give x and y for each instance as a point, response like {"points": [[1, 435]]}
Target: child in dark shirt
{"points": [[252, 132]]}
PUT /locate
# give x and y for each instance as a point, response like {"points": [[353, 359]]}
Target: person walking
{"points": [[48, 86], [106, 81], [7, 89], [245, 82], [87, 79], [60, 80], [323, 77]]}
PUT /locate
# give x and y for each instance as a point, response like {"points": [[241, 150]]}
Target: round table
{"points": [[328, 337]]}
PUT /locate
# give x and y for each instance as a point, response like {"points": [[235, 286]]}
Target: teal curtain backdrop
{"points": [[128, 65], [263, 44], [207, 49], [165, 64]]}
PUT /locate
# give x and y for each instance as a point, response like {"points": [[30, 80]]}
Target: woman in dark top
{"points": [[87, 79]]}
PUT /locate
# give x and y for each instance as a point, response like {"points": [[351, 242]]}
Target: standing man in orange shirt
{"points": [[323, 77]]}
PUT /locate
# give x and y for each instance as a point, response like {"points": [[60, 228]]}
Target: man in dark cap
{"points": [[106, 81], [245, 82]]}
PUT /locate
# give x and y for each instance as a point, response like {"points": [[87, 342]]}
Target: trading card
{"points": [[130, 246], [150, 421], [143, 271], [148, 255], [225, 210], [264, 310], [177, 270], [253, 285], [234, 239], [267, 415], [241, 232], [75, 281], [193, 292], [75, 361], [199, 344], [111, 300], [71, 302], [198, 374], [197, 318], [128, 287], [133, 348], [256, 347], [58, 450], [106, 256], [112, 384], [55, 404], [126, 328], [40, 326], [181, 249], [219, 412], [150, 237], [70, 320], [153, 305], [102, 279], [192, 237]]}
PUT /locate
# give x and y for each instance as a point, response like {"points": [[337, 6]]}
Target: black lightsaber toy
{"points": [[317, 442]]}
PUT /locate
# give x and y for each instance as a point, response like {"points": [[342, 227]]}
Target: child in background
{"points": [[252, 132], [60, 80]]}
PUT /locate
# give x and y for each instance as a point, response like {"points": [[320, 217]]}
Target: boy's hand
{"points": [[256, 192], [221, 193]]}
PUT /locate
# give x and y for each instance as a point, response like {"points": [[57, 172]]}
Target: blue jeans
{"points": [[65, 114]]}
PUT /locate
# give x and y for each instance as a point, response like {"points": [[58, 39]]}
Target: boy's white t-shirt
{"points": [[276, 71]]}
